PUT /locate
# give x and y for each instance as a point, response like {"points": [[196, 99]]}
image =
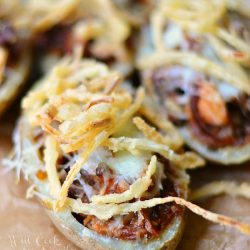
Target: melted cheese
{"points": [[135, 190], [128, 165], [99, 155], [173, 36], [123, 163], [228, 91]]}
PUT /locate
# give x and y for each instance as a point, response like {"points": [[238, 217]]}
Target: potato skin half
{"points": [[11, 88], [75, 231], [225, 156], [79, 236]]}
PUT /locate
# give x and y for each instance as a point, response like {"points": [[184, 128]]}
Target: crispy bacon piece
{"points": [[235, 132]]}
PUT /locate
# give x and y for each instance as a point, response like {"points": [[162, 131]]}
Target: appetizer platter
{"points": [[127, 102]]}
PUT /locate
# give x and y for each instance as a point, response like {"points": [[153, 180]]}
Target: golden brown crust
{"points": [[85, 242], [226, 156]]}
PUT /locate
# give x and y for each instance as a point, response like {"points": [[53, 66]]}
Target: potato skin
{"points": [[11, 88], [81, 235], [227, 156], [85, 242]]}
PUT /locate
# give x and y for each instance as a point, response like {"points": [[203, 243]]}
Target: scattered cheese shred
{"points": [[76, 168], [187, 160], [135, 190]]}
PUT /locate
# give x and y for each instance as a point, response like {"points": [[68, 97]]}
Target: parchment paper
{"points": [[24, 225]]}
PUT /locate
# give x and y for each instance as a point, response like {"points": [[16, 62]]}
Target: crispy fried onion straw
{"points": [[187, 160], [106, 206], [106, 211], [195, 62], [195, 17], [221, 187], [78, 107], [170, 139]]}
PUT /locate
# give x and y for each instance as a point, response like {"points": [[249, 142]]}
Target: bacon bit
{"points": [[211, 105], [59, 39], [121, 186], [87, 220], [239, 54], [99, 226], [91, 180], [192, 43], [128, 218], [148, 223], [108, 189], [41, 175]]}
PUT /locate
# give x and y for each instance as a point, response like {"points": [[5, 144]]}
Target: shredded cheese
{"points": [[229, 55], [186, 160], [93, 144], [199, 16], [75, 169], [135, 190]]}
